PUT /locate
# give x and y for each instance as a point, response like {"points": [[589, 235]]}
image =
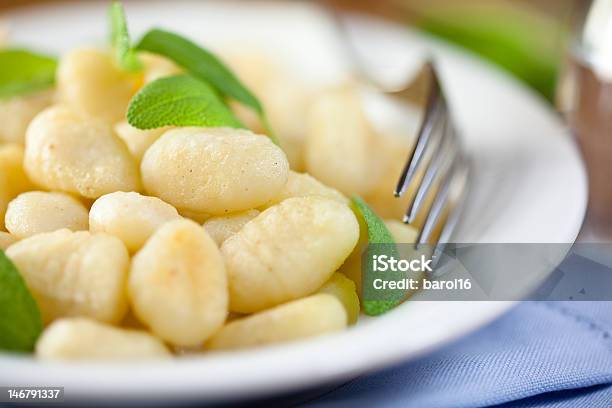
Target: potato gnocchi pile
{"points": [[147, 243]]}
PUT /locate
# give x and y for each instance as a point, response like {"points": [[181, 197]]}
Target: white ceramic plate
{"points": [[529, 186]]}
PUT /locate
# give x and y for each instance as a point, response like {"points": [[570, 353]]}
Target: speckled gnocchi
{"points": [[287, 252], [214, 170], [178, 285], [303, 318], [71, 152], [304, 185], [36, 212], [74, 274], [137, 140], [131, 217], [222, 227], [80, 338]]}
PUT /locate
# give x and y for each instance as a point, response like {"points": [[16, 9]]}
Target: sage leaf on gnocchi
{"points": [[204, 65], [380, 242], [378, 233], [200, 62], [180, 100], [20, 321], [24, 72], [125, 56]]}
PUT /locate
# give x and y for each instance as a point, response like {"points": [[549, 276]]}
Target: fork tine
{"points": [[437, 208], [437, 168], [459, 201], [458, 174], [451, 222], [434, 107]]}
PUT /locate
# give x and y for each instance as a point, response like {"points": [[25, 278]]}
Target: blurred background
{"points": [[528, 38]]}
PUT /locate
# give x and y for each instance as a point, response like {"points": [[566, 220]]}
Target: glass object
{"points": [[585, 96]]}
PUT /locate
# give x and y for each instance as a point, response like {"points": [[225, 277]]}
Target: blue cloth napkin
{"points": [[540, 354]]}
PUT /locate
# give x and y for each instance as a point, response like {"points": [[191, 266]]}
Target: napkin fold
{"points": [[540, 354]]}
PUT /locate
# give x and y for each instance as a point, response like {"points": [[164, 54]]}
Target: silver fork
{"points": [[437, 155], [447, 168]]}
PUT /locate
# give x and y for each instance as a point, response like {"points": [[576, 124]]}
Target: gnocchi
{"points": [[74, 274], [286, 99], [288, 251], [214, 170], [80, 338], [136, 140], [345, 291], [338, 128], [304, 185], [70, 152], [16, 114], [199, 217], [392, 163], [131, 217], [178, 285], [36, 212], [168, 239], [311, 316], [402, 233], [13, 179], [88, 80], [222, 227]]}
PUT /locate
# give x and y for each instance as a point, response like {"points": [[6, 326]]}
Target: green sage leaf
{"points": [[380, 242], [180, 100], [204, 65], [23, 72], [20, 321], [200, 62], [125, 56]]}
